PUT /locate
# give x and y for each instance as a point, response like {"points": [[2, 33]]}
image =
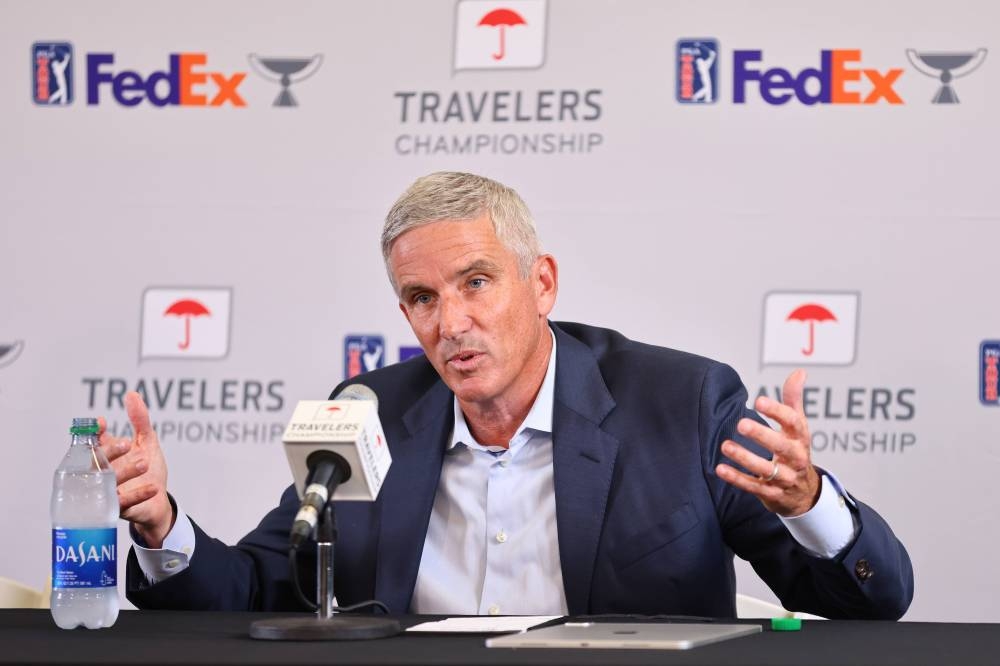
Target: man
{"points": [[539, 467]]}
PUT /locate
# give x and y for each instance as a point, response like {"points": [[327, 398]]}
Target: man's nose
{"points": [[454, 317]]}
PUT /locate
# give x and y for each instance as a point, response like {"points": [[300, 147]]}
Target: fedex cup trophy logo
{"points": [[285, 71], [9, 351], [946, 67]]}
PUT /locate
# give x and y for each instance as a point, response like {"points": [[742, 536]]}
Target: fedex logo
{"points": [[185, 83], [839, 80]]}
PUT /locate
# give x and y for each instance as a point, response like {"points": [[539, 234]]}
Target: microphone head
{"points": [[358, 392], [352, 432]]}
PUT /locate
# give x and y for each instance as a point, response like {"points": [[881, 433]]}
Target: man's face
{"points": [[479, 322]]}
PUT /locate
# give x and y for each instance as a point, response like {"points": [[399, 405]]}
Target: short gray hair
{"points": [[451, 195]]}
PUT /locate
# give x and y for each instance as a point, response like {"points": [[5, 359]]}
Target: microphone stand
{"points": [[327, 624], [326, 534]]}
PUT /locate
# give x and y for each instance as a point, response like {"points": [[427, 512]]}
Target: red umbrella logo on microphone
{"points": [[811, 313], [187, 308], [502, 19], [328, 412]]}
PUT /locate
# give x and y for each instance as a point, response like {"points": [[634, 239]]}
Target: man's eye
{"points": [[477, 283], [421, 299]]}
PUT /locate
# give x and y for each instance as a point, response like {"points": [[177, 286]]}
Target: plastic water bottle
{"points": [[84, 534]]}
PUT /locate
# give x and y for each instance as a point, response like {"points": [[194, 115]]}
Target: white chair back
{"points": [[16, 595], [751, 607]]}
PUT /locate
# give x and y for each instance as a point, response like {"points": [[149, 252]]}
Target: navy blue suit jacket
{"points": [[644, 524]]}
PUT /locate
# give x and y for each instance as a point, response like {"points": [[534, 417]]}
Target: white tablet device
{"points": [[618, 636]]}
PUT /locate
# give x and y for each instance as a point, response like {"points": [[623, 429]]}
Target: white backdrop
{"points": [[672, 222]]}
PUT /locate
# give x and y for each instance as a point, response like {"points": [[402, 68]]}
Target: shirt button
{"points": [[504, 462], [171, 564], [841, 501], [494, 610], [501, 536]]}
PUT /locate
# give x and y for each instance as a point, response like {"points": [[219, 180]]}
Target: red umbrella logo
{"points": [[811, 313], [187, 308], [502, 18]]}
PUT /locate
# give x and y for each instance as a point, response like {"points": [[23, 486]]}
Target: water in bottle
{"points": [[84, 534]]}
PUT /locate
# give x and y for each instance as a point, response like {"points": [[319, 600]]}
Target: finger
{"points": [[776, 442], [768, 492], [130, 496], [788, 418], [103, 436], [138, 414], [115, 447], [746, 459], [791, 392], [129, 467]]}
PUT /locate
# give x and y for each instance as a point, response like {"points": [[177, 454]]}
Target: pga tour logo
{"points": [[989, 373], [363, 353], [499, 35], [697, 71], [810, 328], [185, 322], [52, 73]]}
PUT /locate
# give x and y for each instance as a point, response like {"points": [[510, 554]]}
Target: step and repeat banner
{"points": [[191, 196]]}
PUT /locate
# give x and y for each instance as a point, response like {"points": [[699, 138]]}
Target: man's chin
{"points": [[469, 389]]}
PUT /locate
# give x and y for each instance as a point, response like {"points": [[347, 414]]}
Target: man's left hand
{"points": [[788, 484]]}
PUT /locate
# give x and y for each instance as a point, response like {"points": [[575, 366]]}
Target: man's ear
{"points": [[545, 276], [402, 308]]}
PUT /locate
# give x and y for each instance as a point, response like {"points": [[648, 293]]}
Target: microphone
{"points": [[326, 442], [327, 470]]}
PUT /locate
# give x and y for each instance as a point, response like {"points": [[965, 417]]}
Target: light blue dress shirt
{"points": [[491, 545]]}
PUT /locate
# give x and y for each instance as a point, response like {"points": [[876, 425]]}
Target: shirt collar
{"points": [[539, 417]]}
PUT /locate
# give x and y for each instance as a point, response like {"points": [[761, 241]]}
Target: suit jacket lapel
{"points": [[583, 464], [407, 496]]}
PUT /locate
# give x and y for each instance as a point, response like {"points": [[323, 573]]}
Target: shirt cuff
{"points": [[828, 527], [158, 564]]}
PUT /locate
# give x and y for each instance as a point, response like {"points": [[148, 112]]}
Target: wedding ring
{"points": [[773, 475]]}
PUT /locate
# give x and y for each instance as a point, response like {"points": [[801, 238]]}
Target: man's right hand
{"points": [[141, 472]]}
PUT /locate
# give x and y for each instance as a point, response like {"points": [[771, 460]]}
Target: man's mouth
{"points": [[465, 359]]}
